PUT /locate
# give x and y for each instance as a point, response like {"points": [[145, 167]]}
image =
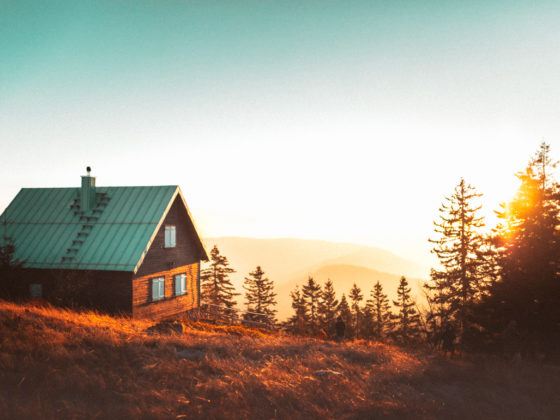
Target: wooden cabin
{"points": [[121, 250]]}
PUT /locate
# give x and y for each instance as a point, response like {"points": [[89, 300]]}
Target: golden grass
{"points": [[56, 363]]}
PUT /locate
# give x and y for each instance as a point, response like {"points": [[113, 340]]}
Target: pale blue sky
{"points": [[343, 120]]}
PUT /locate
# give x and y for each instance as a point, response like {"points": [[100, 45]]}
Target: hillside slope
{"points": [[61, 364]]}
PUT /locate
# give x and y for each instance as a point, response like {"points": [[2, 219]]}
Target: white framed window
{"points": [[170, 236], [36, 290], [180, 284], [158, 288]]}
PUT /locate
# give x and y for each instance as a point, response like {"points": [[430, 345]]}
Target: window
{"points": [[170, 237], [180, 284], [36, 290], [158, 288]]}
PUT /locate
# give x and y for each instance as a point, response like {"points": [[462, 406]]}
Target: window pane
{"points": [[154, 290], [158, 288], [167, 237], [170, 237], [177, 285], [180, 282]]}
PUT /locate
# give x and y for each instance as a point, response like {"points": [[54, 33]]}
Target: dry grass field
{"points": [[62, 364]]}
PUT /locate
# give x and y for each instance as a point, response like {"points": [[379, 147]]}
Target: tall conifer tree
{"points": [[380, 311], [464, 256], [527, 294], [407, 320], [217, 289], [312, 297], [260, 298], [9, 270], [297, 324], [356, 297], [366, 324], [328, 307]]}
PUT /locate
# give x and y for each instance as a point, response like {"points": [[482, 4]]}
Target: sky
{"points": [[337, 120]]}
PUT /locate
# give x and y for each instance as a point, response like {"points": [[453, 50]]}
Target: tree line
{"points": [[495, 288], [316, 308]]}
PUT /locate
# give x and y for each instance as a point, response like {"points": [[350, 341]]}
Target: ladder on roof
{"points": [[88, 221]]}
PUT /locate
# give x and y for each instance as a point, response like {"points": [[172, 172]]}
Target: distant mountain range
{"points": [[290, 261]]}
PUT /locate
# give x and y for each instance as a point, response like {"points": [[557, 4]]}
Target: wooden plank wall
{"points": [[105, 291], [186, 251], [171, 305]]}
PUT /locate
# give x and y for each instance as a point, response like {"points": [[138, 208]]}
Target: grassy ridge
{"points": [[58, 364]]}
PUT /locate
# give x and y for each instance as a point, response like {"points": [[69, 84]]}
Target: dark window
{"points": [[36, 290]]}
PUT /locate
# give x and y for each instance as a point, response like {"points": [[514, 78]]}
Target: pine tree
{"points": [[10, 267], [312, 297], [527, 293], [407, 320], [434, 321], [343, 310], [464, 255], [7, 252], [366, 324], [297, 323], [356, 297], [327, 308], [260, 298], [380, 310], [217, 289]]}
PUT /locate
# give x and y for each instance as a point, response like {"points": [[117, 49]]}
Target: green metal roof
{"points": [[49, 230]]}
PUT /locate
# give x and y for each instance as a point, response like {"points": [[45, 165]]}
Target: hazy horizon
{"points": [[337, 121]]}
